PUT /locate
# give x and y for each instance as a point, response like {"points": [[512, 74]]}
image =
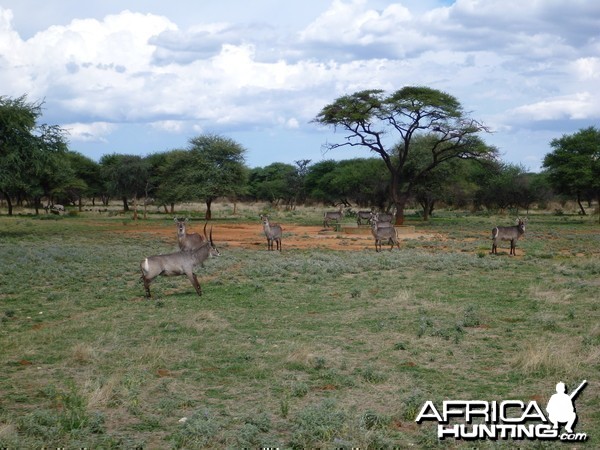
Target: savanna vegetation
{"points": [[306, 348]]}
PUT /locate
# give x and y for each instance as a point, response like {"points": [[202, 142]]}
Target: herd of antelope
{"points": [[194, 248]]}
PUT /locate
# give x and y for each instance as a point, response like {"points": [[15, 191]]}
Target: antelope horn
{"points": [[206, 223], [211, 241]]}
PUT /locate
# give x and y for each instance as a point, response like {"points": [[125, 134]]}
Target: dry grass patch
{"points": [[100, 395], [550, 356], [83, 353], [202, 321], [559, 297]]}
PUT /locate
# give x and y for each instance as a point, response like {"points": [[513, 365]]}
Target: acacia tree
{"points": [[573, 166], [126, 176], [25, 146], [369, 116], [211, 167]]}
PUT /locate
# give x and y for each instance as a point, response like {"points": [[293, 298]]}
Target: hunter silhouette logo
{"points": [[560, 407], [509, 419]]}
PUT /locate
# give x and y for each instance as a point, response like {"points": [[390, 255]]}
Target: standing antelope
{"points": [[187, 241], [363, 215], [511, 234], [273, 232], [180, 263], [385, 217], [333, 215], [381, 233], [382, 220]]}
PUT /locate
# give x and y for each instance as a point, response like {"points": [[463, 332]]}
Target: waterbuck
{"points": [[381, 219], [381, 233], [187, 241], [363, 215], [180, 263], [332, 215], [273, 232], [384, 217], [511, 234]]}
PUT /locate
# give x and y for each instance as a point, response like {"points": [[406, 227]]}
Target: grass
{"points": [[305, 348]]}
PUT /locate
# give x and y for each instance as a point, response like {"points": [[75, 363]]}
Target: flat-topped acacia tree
{"points": [[414, 114]]}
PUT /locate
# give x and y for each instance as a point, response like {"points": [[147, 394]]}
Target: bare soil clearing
{"points": [[251, 236]]}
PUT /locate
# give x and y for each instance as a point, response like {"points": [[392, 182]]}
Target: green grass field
{"points": [[307, 348]]}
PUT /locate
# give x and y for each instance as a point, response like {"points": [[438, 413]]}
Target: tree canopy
{"points": [[369, 118], [573, 167], [25, 146]]}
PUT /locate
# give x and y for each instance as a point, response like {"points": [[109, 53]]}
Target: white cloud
{"points": [[89, 132], [581, 105], [505, 60]]}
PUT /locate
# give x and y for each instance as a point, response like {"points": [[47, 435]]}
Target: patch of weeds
{"points": [[399, 346], [284, 407], [317, 424], [425, 323], [319, 363], [68, 415], [370, 375], [428, 328], [549, 325], [411, 404], [299, 389], [471, 317], [198, 431], [371, 420], [355, 293]]}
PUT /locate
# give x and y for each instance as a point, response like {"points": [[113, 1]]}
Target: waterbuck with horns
{"points": [[187, 241], [180, 263], [511, 234], [273, 232], [336, 216], [382, 233]]}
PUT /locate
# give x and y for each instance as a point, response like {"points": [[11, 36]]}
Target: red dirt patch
{"points": [[251, 236]]}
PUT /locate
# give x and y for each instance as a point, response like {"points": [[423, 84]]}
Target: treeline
{"points": [[201, 173], [37, 169]]}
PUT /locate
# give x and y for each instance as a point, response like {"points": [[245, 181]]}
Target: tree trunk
{"points": [[208, 215], [426, 209], [8, 203], [400, 204], [36, 204], [135, 211], [581, 208], [125, 204]]}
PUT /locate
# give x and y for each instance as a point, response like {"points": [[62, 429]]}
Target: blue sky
{"points": [[145, 76]]}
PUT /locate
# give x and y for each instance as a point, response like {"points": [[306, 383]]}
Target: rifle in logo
{"points": [[560, 406]]}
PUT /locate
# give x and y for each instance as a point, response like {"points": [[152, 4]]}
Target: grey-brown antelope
{"points": [[179, 263], [383, 233], [511, 234], [273, 232], [363, 215], [383, 220], [187, 241], [336, 216]]}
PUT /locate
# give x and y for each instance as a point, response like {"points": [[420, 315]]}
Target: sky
{"points": [[146, 76]]}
